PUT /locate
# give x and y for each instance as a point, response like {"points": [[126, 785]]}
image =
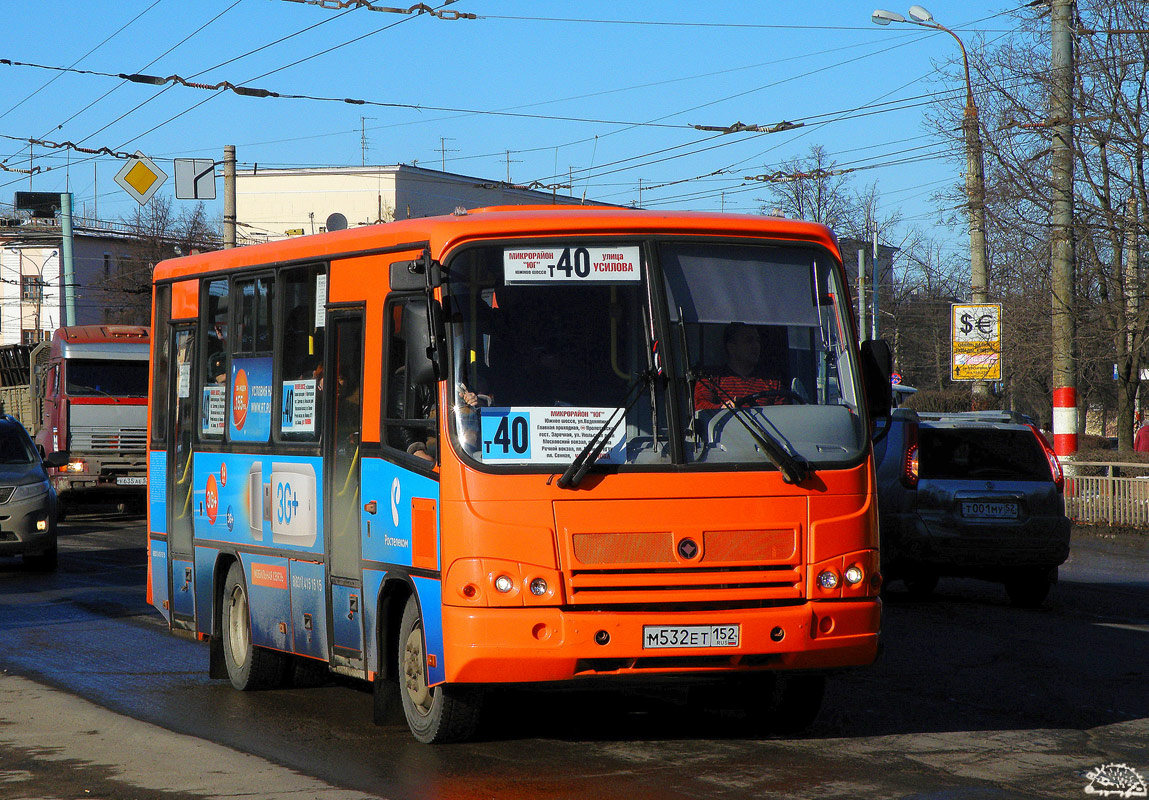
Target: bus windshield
{"points": [[551, 344]]}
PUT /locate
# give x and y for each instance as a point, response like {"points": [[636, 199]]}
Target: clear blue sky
{"points": [[601, 91]]}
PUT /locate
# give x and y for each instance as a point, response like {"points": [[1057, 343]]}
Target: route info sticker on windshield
{"points": [[589, 264], [546, 435]]}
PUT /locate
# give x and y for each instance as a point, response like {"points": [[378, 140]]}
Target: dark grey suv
{"points": [[27, 499], [971, 495]]}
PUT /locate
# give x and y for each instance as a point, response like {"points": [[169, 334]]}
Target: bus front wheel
{"points": [[248, 667], [437, 714]]}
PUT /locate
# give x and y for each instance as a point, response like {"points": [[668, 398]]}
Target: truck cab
{"points": [[93, 394]]}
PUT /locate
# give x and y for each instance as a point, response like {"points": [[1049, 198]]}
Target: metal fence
{"points": [[1104, 493]]}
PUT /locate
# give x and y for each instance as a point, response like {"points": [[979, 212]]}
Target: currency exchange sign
{"points": [[975, 333]]}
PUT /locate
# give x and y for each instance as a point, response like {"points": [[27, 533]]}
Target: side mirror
{"points": [[877, 364], [58, 459], [407, 276], [423, 272], [419, 327]]}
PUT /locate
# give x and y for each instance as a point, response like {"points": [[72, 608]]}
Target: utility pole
{"points": [[1131, 411], [863, 317], [228, 196], [877, 280], [1061, 233], [68, 271]]}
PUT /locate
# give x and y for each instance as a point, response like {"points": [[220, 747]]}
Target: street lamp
{"points": [[974, 174]]}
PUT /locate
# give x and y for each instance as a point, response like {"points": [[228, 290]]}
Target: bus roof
{"points": [[443, 233]]}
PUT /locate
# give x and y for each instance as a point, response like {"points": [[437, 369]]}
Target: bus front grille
{"points": [[683, 585]]}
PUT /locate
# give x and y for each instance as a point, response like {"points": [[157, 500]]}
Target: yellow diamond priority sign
{"points": [[141, 178]]}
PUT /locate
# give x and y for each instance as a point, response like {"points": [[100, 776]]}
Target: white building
{"points": [[32, 281], [276, 203]]}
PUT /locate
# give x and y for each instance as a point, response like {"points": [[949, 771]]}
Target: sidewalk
{"points": [[54, 745]]}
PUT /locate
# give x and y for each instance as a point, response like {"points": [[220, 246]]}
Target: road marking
{"points": [[1120, 626]]}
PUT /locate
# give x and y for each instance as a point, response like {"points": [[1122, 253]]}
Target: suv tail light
{"points": [[910, 457], [1055, 470]]}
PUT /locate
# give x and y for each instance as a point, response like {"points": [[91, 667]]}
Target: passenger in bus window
{"points": [[740, 379], [217, 363], [413, 403]]}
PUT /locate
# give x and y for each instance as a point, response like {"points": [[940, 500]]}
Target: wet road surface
{"points": [[970, 699]]}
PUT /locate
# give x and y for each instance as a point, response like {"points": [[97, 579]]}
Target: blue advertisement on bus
{"points": [[251, 392], [272, 500]]}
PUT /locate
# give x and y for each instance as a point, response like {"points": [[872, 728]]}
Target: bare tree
{"points": [[1013, 93], [157, 233]]}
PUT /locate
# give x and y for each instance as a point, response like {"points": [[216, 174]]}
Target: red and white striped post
{"points": [[1065, 421]]}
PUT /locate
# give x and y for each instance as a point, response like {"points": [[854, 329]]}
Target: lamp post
{"points": [[974, 176]]}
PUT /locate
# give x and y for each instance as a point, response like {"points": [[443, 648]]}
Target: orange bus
{"points": [[520, 445]]}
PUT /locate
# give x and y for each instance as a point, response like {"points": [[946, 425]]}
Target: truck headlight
{"points": [[29, 490]]}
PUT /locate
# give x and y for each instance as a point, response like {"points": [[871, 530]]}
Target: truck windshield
{"points": [[549, 342], [106, 377]]}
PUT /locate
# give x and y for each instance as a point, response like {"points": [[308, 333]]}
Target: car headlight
{"points": [[29, 490]]}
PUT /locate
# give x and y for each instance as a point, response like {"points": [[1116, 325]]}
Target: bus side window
{"points": [[299, 355], [213, 365], [411, 416], [160, 389]]}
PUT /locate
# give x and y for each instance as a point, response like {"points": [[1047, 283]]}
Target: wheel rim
{"points": [[237, 636], [414, 672]]}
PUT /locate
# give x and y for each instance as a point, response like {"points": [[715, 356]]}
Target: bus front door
{"points": [[181, 554], [344, 408]]}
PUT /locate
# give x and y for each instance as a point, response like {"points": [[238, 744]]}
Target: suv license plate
{"points": [[660, 637], [130, 481], [989, 510]]}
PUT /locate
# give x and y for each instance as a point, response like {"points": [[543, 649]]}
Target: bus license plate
{"points": [[989, 510], [657, 637], [130, 481]]}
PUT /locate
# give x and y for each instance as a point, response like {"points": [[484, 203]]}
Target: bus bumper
{"points": [[521, 645]]}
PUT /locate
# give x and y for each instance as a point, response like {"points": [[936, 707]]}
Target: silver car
{"points": [[27, 499], [976, 495]]}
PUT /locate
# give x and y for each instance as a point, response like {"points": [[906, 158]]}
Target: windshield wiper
{"points": [[80, 387], [794, 467], [593, 448]]}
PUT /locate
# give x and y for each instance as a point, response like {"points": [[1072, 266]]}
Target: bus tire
{"points": [[248, 667], [437, 714]]}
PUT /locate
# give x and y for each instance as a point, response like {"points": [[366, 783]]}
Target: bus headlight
{"points": [[854, 575], [501, 582], [76, 465], [828, 579]]}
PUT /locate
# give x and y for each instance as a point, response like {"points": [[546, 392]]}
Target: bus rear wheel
{"points": [[435, 714], [248, 667]]}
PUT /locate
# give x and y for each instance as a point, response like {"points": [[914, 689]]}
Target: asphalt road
{"points": [[970, 699]]}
